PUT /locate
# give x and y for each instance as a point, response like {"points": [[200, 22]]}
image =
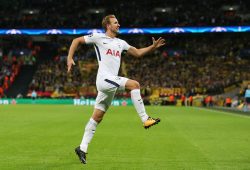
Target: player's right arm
{"points": [[75, 43], [87, 39]]}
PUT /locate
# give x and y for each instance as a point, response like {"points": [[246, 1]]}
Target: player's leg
{"points": [[122, 83], [134, 88], [90, 128], [103, 102]]}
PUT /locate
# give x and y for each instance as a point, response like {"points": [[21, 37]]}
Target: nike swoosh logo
{"points": [[105, 43]]}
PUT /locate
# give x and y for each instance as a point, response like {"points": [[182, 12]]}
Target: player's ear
{"points": [[108, 26]]}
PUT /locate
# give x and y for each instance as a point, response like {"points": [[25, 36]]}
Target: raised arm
{"points": [[143, 51], [75, 43]]}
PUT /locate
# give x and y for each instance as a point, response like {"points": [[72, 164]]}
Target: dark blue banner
{"points": [[163, 30]]}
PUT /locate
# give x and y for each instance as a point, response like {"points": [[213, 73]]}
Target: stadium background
{"points": [[206, 69]]}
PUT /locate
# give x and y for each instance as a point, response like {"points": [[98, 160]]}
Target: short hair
{"points": [[106, 21]]}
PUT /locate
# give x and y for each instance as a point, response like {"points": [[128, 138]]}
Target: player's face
{"points": [[114, 25]]}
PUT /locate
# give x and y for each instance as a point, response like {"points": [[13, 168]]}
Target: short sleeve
{"points": [[91, 38], [125, 45]]}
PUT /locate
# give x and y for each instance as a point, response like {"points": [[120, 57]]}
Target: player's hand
{"points": [[70, 62], [159, 42]]}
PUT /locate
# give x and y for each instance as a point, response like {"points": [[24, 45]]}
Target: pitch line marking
{"points": [[225, 113]]}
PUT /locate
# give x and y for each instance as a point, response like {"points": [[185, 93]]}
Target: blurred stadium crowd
{"points": [[157, 13], [189, 65], [171, 67]]}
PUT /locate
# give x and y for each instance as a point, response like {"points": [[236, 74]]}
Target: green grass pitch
{"points": [[44, 137]]}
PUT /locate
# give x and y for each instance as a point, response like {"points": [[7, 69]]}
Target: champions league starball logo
{"points": [[219, 29], [13, 31], [94, 31], [54, 31], [135, 31], [176, 30]]}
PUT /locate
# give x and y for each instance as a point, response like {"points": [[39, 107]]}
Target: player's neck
{"points": [[110, 34]]}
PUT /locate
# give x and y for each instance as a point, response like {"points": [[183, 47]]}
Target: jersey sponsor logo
{"points": [[113, 53]]}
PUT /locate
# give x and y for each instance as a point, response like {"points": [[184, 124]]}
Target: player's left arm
{"points": [[143, 51]]}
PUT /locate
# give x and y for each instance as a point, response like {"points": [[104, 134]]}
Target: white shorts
{"points": [[107, 86]]}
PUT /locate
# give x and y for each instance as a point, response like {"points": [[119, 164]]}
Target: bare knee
{"points": [[97, 119], [132, 84], [136, 85], [98, 115]]}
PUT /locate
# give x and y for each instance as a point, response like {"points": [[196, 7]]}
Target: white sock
{"points": [[139, 105], [88, 134]]}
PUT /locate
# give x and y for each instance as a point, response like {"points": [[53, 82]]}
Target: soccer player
{"points": [[108, 49]]}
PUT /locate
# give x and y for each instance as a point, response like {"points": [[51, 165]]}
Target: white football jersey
{"points": [[108, 51]]}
